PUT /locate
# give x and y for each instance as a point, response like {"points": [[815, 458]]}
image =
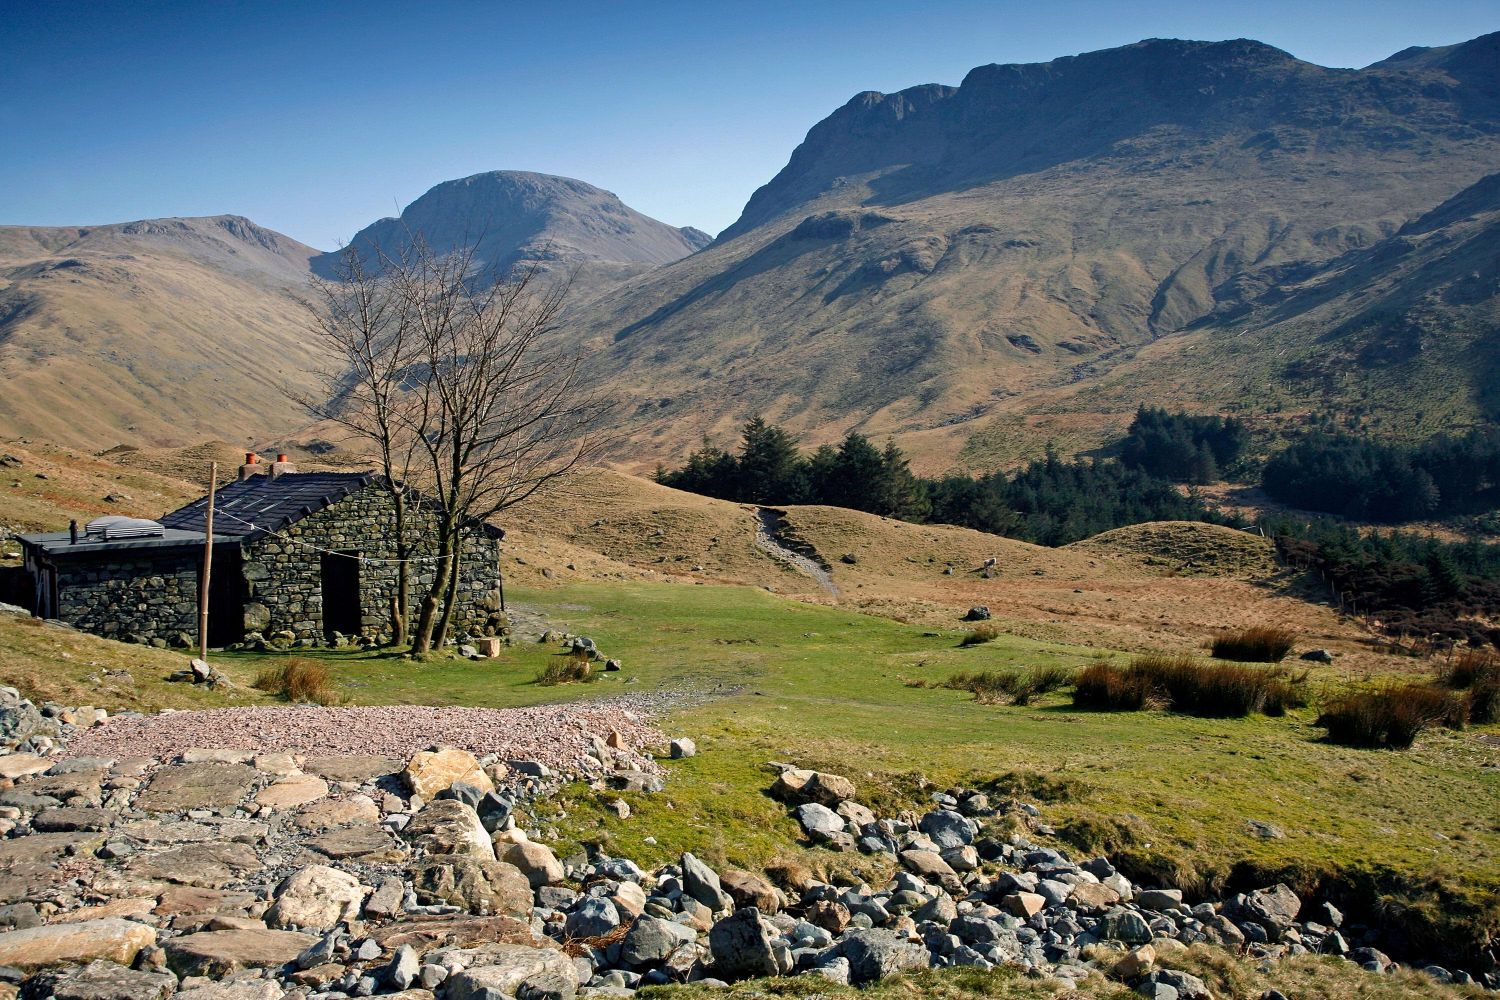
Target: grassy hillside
{"points": [[755, 677]]}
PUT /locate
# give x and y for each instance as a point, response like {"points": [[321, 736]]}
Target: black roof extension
{"points": [[261, 505]]}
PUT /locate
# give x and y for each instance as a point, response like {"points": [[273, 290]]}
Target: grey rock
{"points": [[1120, 924], [594, 916], [701, 883], [651, 940], [404, 968], [1186, 986], [1275, 908], [819, 821], [875, 954], [741, 945], [101, 981], [948, 829]]}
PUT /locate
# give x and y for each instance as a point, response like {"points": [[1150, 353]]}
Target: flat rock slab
{"points": [[366, 842], [21, 765], [204, 785], [211, 866], [77, 765], [288, 793], [71, 785], [155, 831], [122, 908], [29, 882], [112, 940], [234, 991], [505, 968], [222, 953], [182, 899], [45, 848], [102, 981], [427, 934], [329, 814], [361, 768], [72, 819]]}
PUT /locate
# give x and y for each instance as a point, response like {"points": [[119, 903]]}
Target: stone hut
{"points": [[305, 553]]}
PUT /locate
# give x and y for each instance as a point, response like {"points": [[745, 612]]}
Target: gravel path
{"points": [[556, 735], [767, 539]]}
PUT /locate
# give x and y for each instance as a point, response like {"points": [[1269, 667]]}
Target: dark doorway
{"points": [[341, 607], [227, 595]]}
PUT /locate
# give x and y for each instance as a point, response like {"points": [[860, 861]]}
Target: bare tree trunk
{"points": [[440, 638], [427, 615], [403, 573]]}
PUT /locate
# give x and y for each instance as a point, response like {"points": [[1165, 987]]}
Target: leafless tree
{"points": [[365, 328], [452, 377], [497, 410]]}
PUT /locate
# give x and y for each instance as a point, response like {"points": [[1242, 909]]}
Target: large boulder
{"points": [[111, 939], [507, 969], [316, 898], [742, 945], [432, 771], [447, 826], [473, 884], [875, 954], [535, 861]]}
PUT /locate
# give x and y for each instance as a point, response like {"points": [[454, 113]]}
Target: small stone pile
{"points": [[40, 729]]}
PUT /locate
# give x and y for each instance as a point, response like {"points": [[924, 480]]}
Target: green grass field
{"points": [[776, 680]]}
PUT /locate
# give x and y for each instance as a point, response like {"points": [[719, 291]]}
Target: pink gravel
{"points": [[555, 735]]}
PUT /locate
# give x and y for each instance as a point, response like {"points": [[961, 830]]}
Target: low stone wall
{"points": [[144, 598]]}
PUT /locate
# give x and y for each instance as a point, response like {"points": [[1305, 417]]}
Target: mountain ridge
{"points": [[936, 258]]}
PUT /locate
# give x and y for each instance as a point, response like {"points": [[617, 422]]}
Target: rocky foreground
{"points": [[244, 874]]}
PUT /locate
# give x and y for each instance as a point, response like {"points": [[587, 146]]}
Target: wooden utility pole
{"points": [[208, 562]]}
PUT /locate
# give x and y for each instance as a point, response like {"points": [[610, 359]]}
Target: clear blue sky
{"points": [[316, 118]]}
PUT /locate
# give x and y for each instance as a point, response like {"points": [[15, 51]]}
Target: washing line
{"points": [[330, 552]]}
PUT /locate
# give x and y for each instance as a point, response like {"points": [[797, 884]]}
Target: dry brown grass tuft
{"points": [[1391, 716], [979, 635], [300, 681], [567, 670], [1254, 645]]}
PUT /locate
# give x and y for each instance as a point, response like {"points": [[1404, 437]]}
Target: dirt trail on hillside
{"points": [[768, 540]]}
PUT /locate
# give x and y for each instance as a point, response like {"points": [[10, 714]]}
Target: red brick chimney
{"points": [[252, 467]]}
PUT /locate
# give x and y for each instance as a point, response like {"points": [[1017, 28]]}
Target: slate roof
{"points": [[255, 507]]}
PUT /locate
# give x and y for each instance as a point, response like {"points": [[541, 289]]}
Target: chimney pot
{"points": [[281, 466], [251, 466]]}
